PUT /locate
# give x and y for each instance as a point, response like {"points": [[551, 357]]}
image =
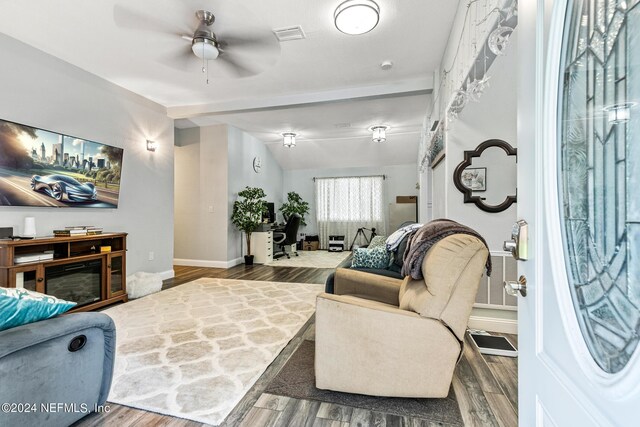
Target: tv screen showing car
{"points": [[48, 169]]}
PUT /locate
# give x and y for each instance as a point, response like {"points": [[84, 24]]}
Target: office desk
{"points": [[263, 245]]}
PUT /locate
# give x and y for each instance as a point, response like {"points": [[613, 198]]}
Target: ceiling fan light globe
{"points": [[204, 49], [356, 16]]}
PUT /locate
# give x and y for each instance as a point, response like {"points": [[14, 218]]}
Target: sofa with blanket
{"points": [[392, 270], [381, 336]]}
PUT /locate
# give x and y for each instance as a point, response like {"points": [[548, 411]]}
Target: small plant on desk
{"points": [[294, 204]]}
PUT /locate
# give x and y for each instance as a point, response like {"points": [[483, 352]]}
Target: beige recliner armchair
{"points": [[387, 337]]}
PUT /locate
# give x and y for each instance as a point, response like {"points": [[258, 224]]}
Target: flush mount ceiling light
{"points": [[379, 133], [619, 113], [289, 139], [356, 16]]}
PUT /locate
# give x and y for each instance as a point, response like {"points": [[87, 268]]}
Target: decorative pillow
{"points": [[21, 306], [377, 257], [377, 241]]}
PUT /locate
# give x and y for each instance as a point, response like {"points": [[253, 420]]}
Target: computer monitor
{"points": [[270, 214]]}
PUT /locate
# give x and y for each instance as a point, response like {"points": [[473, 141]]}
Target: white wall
{"points": [[42, 91], [494, 117], [400, 181], [243, 148]]}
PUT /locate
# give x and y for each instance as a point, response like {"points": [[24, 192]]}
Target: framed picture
{"points": [[475, 179]]}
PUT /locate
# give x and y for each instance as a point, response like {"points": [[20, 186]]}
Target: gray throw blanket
{"points": [[422, 239]]}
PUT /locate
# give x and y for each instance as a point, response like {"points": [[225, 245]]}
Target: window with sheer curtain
{"points": [[347, 203]]}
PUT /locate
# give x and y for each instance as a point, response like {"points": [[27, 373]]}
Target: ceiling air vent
{"points": [[289, 33]]}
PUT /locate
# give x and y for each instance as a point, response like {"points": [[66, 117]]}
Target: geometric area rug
{"points": [[193, 351], [312, 259], [297, 379]]}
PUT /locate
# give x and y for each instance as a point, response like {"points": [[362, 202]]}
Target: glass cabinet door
{"points": [[116, 273], [27, 278]]}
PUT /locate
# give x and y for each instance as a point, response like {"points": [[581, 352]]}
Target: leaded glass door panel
{"points": [[599, 174]]}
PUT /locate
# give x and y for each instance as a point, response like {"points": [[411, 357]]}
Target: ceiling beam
{"points": [[421, 86]]}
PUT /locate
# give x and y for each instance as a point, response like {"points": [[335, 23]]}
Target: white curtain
{"points": [[348, 203]]}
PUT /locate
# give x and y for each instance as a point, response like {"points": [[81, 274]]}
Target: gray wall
{"points": [[401, 181], [42, 91], [213, 163], [494, 117], [242, 149], [201, 196]]}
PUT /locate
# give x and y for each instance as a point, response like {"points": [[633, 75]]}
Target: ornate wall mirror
{"points": [[487, 176]]}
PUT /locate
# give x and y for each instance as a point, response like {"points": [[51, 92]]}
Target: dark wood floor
{"points": [[486, 386]]}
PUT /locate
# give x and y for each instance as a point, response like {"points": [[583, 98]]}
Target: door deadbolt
{"points": [[518, 245], [513, 288]]}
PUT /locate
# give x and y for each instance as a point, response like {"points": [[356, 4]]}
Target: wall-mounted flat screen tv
{"points": [[48, 169]]}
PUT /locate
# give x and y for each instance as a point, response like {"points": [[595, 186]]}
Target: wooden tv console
{"points": [[78, 272]]}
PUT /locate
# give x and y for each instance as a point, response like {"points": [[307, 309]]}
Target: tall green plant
{"points": [[294, 204], [248, 210]]}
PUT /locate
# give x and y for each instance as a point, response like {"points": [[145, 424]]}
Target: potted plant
{"points": [[294, 204], [247, 214]]}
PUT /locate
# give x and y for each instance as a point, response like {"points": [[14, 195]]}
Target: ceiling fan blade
{"points": [[134, 20], [257, 40], [263, 43], [233, 66], [182, 60]]}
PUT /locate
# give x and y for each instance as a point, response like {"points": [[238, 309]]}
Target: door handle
{"points": [[517, 246], [513, 288]]}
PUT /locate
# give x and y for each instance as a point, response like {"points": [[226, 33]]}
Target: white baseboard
{"points": [[235, 262], [207, 263], [493, 324], [167, 274]]}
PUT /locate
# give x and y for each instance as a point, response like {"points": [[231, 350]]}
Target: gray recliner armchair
{"points": [[67, 360]]}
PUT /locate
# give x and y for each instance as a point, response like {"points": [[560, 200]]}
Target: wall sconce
{"points": [[379, 133], [619, 113], [151, 145], [289, 139]]}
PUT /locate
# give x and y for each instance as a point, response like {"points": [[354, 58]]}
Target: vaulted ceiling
{"points": [[328, 86]]}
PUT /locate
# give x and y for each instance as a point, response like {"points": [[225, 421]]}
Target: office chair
{"points": [[288, 236]]}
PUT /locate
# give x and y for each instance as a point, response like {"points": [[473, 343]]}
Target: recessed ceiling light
{"points": [[356, 16]]}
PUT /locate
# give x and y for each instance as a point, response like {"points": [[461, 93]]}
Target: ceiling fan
{"points": [[239, 53]]}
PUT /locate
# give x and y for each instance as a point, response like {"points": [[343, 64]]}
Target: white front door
{"points": [[579, 190]]}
